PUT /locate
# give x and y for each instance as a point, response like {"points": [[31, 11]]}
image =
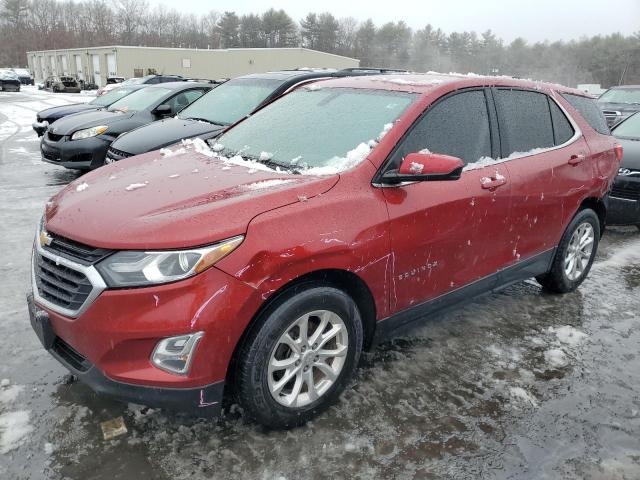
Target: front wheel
{"points": [[299, 356], [575, 254]]}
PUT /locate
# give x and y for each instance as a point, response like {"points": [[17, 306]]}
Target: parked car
{"points": [[24, 75], [9, 81], [80, 141], [221, 107], [624, 208], [46, 117], [146, 80], [61, 84], [322, 223], [618, 103]]}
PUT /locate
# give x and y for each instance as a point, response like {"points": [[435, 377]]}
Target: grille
{"points": [[629, 191], [53, 137], [75, 250], [61, 285], [67, 353], [116, 154], [54, 157]]}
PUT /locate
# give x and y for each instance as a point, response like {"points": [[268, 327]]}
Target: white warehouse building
{"points": [[95, 64]]}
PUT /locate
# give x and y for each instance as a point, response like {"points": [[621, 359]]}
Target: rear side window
{"points": [[457, 126], [562, 129], [525, 122], [589, 111]]}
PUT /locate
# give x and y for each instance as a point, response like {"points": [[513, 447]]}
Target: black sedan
{"points": [[624, 202], [46, 117], [80, 141], [9, 81], [228, 103]]}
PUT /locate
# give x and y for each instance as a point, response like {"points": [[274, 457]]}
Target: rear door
{"points": [[547, 163], [447, 234]]}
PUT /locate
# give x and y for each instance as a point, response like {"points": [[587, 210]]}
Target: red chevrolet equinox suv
{"points": [[259, 267]]}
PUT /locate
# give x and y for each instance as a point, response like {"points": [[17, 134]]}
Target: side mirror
{"points": [[424, 167], [162, 110]]}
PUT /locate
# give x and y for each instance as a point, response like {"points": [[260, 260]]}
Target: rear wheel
{"points": [[575, 254], [299, 357]]}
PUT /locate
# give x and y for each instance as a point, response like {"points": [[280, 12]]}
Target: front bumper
{"points": [[85, 154], [10, 87], [204, 399], [624, 201], [108, 343]]}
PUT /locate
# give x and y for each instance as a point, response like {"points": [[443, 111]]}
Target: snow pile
{"points": [[166, 152], [568, 335], [556, 358], [521, 395], [9, 393], [135, 186], [416, 168], [402, 81], [488, 161], [265, 184], [339, 164], [14, 429], [385, 130], [175, 175], [264, 156], [82, 187]]}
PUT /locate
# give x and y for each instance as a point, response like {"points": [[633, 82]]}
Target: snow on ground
{"points": [[568, 335], [14, 429]]}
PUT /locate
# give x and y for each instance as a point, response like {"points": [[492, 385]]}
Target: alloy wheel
{"points": [[579, 251], [308, 358]]}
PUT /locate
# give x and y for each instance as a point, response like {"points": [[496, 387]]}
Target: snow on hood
{"points": [[156, 201]]}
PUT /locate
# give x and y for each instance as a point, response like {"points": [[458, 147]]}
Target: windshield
{"points": [[231, 101], [324, 130], [112, 96], [630, 128], [8, 75], [621, 95], [139, 100], [135, 81]]}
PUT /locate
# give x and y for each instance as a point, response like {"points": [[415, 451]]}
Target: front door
{"points": [[448, 234]]}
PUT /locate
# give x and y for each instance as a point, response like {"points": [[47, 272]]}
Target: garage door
{"points": [[95, 59], [111, 65], [78, 61]]}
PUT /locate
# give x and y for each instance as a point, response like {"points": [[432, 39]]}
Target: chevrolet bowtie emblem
{"points": [[45, 239]]}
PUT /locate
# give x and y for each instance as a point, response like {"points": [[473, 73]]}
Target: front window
{"points": [[324, 130], [621, 95], [111, 97], [231, 101], [140, 100], [630, 128]]}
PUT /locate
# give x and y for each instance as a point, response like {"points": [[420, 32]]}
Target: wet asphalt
{"points": [[517, 385]]}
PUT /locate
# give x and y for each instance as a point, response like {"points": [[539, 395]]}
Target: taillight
{"points": [[618, 150]]}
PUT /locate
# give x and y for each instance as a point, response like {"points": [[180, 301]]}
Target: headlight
{"points": [[89, 132], [136, 268]]}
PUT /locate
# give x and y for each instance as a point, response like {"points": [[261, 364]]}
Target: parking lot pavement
{"points": [[517, 385]]}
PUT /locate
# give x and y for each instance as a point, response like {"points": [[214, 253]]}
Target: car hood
{"points": [[630, 153], [55, 113], [77, 121], [187, 199], [160, 134], [620, 107]]}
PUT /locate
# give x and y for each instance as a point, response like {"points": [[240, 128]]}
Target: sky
{"points": [[537, 20]]}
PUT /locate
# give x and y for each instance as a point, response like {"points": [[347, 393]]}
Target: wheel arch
{"points": [[598, 206], [348, 282]]}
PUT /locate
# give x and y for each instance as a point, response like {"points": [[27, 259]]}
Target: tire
{"points": [[255, 380], [558, 279]]}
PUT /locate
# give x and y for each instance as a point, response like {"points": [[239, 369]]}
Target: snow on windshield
{"points": [[315, 132]]}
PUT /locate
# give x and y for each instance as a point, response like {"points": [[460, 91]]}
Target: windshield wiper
{"points": [[200, 119], [269, 163]]}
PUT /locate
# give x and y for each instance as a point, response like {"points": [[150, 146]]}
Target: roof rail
{"points": [[373, 70]]}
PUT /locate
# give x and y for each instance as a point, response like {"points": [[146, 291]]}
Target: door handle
{"points": [[492, 183], [577, 159]]}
